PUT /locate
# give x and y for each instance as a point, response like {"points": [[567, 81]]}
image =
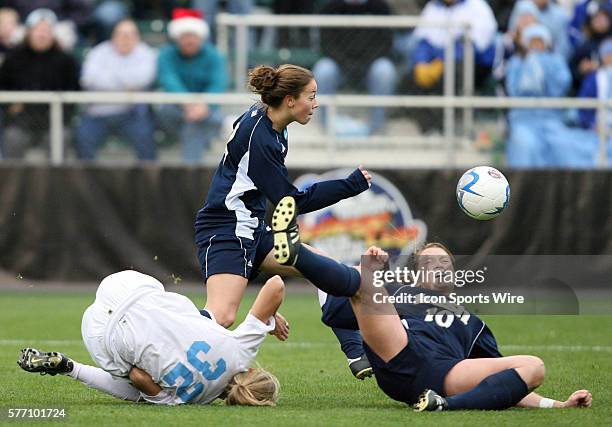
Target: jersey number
{"points": [[188, 388], [445, 318]]}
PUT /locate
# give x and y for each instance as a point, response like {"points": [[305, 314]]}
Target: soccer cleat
{"points": [[286, 233], [51, 363], [361, 367], [429, 400]]}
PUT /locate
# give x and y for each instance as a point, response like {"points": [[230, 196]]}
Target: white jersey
{"points": [[134, 322]]}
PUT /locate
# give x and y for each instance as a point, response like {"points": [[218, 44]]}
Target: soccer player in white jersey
{"points": [[155, 346]]}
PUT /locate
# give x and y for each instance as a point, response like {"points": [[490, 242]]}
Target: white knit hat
{"points": [[187, 21]]}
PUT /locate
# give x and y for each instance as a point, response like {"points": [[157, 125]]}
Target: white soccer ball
{"points": [[483, 192]]}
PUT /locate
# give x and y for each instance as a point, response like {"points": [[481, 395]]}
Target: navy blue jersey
{"points": [[252, 170], [452, 330], [439, 337]]}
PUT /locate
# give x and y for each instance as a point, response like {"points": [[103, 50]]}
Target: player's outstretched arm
{"points": [[578, 399], [266, 305]]}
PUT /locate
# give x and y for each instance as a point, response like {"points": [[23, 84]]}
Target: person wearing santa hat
{"points": [[189, 63]]}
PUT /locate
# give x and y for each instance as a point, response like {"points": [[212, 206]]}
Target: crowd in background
{"points": [[535, 48]]}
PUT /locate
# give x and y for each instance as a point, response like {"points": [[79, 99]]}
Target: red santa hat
{"points": [[187, 21]]}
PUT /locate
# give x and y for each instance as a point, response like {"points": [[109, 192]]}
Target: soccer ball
{"points": [[483, 192]]}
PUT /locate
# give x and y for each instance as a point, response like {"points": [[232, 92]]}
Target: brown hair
{"points": [[420, 250], [273, 84], [255, 387]]}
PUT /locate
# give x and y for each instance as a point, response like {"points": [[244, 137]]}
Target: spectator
{"points": [[597, 27], [428, 55], [524, 14], [122, 64], [189, 64], [72, 15], [556, 20], [537, 136], [580, 17], [598, 84], [37, 64], [10, 33], [357, 55]]}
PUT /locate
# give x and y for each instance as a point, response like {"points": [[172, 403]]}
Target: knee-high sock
{"points": [[351, 342], [101, 380], [335, 310], [498, 391], [328, 275]]}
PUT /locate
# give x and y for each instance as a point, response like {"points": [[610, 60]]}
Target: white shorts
{"points": [[112, 293]]}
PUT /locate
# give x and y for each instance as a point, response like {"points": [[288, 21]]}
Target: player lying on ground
{"points": [[154, 346], [413, 353]]}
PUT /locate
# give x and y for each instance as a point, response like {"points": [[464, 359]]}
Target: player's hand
{"points": [[366, 175], [377, 258], [380, 254], [281, 329], [579, 399], [195, 112]]}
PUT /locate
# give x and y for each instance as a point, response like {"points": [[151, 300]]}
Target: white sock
{"points": [[101, 380]]}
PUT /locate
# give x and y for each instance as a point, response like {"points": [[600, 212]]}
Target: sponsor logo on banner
{"points": [[379, 217]]}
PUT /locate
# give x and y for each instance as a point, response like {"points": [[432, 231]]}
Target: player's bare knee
{"points": [[537, 372], [277, 282], [540, 369]]}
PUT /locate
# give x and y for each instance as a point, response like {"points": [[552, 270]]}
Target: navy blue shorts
{"points": [[417, 367], [228, 253]]}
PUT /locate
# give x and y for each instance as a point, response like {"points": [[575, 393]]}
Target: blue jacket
{"points": [[539, 74], [589, 89], [205, 72]]}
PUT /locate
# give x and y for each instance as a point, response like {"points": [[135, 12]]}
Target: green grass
{"points": [[316, 386]]}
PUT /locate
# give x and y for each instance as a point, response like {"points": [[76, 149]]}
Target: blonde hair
{"points": [[255, 387]]}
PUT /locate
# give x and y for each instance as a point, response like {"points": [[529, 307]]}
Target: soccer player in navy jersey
{"points": [[445, 363], [232, 239]]}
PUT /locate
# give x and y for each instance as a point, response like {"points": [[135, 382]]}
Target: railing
{"points": [[56, 100], [243, 22]]}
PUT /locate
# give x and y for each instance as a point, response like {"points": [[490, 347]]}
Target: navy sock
{"points": [[328, 275], [498, 391], [206, 313], [351, 342]]}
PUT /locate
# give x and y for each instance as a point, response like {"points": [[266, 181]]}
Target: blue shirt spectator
{"points": [[524, 14], [538, 137], [597, 27], [597, 84], [189, 64], [582, 11], [556, 20]]}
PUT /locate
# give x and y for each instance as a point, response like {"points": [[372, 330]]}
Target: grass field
{"points": [[316, 386]]}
